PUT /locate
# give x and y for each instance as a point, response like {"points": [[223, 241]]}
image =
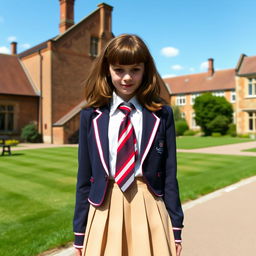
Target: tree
{"points": [[213, 114]]}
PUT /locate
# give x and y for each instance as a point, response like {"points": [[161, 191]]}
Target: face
{"points": [[126, 79]]}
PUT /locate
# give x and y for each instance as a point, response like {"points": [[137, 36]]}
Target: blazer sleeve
{"points": [[171, 189], [83, 182]]}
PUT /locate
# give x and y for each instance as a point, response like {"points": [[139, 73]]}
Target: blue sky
{"points": [[181, 34]]}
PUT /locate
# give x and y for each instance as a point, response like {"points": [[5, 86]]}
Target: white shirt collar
{"points": [[117, 100]]}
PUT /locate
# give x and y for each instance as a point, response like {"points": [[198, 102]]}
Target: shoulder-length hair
{"points": [[124, 50]]}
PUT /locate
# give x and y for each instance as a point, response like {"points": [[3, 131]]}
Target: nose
{"points": [[127, 77]]}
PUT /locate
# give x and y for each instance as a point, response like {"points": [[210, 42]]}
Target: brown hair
{"points": [[124, 50]]}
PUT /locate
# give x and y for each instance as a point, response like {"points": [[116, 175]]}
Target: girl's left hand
{"points": [[178, 249]]}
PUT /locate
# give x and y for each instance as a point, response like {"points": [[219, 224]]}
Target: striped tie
{"points": [[127, 150]]}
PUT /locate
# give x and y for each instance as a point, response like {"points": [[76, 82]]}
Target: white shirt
{"points": [[115, 119]]}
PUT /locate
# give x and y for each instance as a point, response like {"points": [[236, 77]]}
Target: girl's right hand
{"points": [[78, 252]]}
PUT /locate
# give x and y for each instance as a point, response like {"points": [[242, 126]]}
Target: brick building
{"points": [[237, 85], [44, 84]]}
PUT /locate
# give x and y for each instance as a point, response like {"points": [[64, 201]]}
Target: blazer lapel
{"points": [[100, 125], [150, 126]]}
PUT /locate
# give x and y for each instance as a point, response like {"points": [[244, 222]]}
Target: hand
{"points": [[178, 249], [78, 251]]}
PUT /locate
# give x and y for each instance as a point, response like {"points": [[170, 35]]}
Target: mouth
{"points": [[126, 85]]}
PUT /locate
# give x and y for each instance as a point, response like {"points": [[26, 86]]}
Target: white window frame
{"points": [[233, 96], [252, 85], [218, 93], [252, 120], [181, 100], [193, 121], [193, 97]]}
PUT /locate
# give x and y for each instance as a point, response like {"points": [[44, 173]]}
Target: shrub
{"points": [[29, 133], [216, 134], [180, 127], [219, 124], [189, 133], [245, 136], [232, 130]]}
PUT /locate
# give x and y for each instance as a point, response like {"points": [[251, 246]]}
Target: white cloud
{"points": [[170, 51], [4, 49], [169, 75], [177, 67], [192, 69], [204, 66], [25, 46], [11, 38]]}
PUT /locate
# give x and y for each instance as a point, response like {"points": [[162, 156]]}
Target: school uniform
{"points": [[145, 219]]}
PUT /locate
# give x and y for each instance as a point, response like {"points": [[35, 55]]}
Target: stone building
{"points": [[44, 84], [237, 85]]}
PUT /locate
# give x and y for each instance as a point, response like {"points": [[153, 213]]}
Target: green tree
{"points": [[213, 114]]}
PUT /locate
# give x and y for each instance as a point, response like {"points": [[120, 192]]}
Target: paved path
{"points": [[222, 223], [232, 149]]}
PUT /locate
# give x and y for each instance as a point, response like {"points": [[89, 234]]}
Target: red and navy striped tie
{"points": [[127, 150]]}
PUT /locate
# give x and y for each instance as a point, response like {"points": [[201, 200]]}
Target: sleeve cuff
{"points": [[177, 234], [79, 240]]}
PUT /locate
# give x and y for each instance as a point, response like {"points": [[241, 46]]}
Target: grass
{"points": [[251, 150], [37, 199], [192, 142], [37, 189], [199, 174]]}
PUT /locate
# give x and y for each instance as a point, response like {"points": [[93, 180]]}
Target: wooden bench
{"points": [[5, 148]]}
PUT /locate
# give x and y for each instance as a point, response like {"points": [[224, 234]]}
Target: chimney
{"points": [[210, 67], [105, 33], [66, 15], [13, 48]]}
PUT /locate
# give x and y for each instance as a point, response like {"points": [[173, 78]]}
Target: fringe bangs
{"points": [[128, 52]]}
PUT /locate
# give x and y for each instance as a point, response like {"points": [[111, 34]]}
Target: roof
{"points": [[202, 82], [70, 114], [247, 66], [33, 49], [13, 77]]}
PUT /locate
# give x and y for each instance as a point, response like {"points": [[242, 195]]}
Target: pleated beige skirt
{"points": [[134, 223]]}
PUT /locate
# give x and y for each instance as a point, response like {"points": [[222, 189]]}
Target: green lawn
{"points": [[200, 174], [251, 150], [37, 190], [191, 142]]}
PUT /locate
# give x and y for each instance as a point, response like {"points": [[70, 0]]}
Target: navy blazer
{"points": [[158, 159]]}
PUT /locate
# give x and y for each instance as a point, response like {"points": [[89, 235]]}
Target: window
{"points": [[181, 100], [6, 118], [218, 93], [193, 121], [193, 97], [252, 87], [233, 96], [252, 121], [183, 115], [94, 46]]}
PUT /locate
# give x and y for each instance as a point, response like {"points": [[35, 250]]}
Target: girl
{"points": [[127, 199]]}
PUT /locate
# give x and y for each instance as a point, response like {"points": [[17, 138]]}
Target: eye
{"points": [[118, 70], [136, 69]]}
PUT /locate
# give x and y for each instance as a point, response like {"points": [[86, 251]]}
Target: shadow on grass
{"points": [[13, 155]]}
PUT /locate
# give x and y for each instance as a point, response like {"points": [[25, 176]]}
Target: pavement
{"points": [[221, 223]]}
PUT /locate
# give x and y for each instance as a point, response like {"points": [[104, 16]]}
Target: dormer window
{"points": [[94, 46], [252, 87]]}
